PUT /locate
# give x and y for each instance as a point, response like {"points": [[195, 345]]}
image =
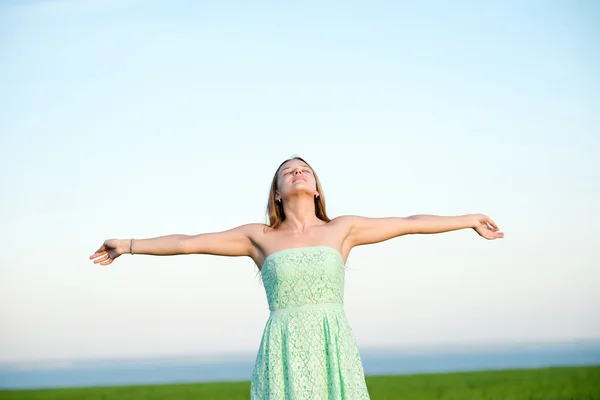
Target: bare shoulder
{"points": [[238, 241], [252, 228], [359, 230], [248, 231], [256, 233], [345, 224], [345, 220]]}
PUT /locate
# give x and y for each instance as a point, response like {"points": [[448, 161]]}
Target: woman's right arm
{"points": [[233, 242]]}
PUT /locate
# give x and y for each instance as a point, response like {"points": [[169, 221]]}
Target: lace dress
{"points": [[308, 350]]}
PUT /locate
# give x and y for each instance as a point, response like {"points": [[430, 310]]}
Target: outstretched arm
{"points": [[364, 230], [233, 242]]}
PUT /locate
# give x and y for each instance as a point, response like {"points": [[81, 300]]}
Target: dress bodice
{"points": [[303, 276]]}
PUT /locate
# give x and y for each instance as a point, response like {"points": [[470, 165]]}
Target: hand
{"points": [[108, 252], [485, 227]]}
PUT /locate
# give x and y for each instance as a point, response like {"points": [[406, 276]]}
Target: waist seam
{"points": [[307, 307]]}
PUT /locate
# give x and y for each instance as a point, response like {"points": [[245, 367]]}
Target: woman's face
{"points": [[296, 176]]}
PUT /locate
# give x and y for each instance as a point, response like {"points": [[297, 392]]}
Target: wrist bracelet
{"points": [[131, 247]]}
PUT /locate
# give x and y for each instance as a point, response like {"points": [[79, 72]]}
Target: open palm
{"points": [[107, 253], [487, 228]]}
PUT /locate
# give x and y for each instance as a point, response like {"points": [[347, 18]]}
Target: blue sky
{"points": [[139, 119]]}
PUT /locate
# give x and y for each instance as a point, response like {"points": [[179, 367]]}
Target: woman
{"points": [[308, 350]]}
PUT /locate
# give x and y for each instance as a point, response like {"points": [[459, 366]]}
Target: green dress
{"points": [[308, 350]]}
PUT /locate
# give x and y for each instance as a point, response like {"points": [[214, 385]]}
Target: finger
{"points": [[102, 259], [102, 249], [107, 262], [97, 254], [492, 223], [496, 235], [490, 229]]}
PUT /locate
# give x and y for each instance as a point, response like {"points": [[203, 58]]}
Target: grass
{"points": [[569, 383], [581, 383]]}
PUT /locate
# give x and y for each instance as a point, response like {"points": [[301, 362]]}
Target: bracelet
{"points": [[131, 247]]}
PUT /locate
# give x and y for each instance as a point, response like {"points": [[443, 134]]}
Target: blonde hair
{"points": [[275, 209]]}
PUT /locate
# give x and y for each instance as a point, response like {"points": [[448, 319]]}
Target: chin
{"points": [[301, 190]]}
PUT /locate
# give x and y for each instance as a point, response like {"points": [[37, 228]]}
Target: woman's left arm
{"points": [[363, 230]]}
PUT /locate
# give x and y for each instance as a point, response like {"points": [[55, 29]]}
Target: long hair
{"points": [[275, 209]]}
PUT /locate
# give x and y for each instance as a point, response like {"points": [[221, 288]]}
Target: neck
{"points": [[299, 213]]}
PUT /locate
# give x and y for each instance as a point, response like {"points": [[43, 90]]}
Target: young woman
{"points": [[307, 350]]}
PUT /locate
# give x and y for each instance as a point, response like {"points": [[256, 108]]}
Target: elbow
{"points": [[187, 245]]}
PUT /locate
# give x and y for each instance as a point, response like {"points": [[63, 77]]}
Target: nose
{"points": [[297, 171]]}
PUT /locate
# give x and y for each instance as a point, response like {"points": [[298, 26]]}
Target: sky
{"points": [[123, 119]]}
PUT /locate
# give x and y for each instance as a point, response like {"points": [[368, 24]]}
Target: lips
{"points": [[299, 179]]}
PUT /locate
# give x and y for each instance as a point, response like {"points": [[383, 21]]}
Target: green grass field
{"points": [[578, 383]]}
